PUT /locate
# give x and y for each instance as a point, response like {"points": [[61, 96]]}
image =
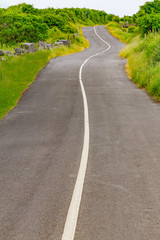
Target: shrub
{"points": [[131, 29]]}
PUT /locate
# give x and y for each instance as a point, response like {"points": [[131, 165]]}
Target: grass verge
{"points": [[17, 73], [122, 34], [143, 56]]}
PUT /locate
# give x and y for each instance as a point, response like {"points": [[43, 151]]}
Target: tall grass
{"points": [[121, 33], [17, 73], [144, 62], [143, 56]]}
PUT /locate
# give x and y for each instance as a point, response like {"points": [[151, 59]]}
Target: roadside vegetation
{"points": [[17, 73], [143, 49], [124, 34], [24, 23]]}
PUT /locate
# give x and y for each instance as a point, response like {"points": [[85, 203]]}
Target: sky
{"points": [[117, 7]]}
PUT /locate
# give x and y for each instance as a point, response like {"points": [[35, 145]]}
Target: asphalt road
{"points": [[41, 143]]}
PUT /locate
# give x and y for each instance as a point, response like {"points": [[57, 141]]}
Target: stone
{"points": [[26, 51], [41, 45], [1, 53], [58, 44], [3, 59], [48, 46], [19, 51], [8, 53], [11, 55], [29, 47], [65, 42]]}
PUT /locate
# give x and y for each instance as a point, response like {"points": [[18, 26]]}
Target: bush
{"points": [[19, 28], [69, 29], [26, 23], [116, 19], [131, 29]]}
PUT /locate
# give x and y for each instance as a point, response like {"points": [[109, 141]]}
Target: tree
{"points": [[149, 23]]}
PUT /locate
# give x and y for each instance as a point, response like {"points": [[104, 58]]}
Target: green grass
{"points": [[120, 33], [17, 73], [143, 56]]}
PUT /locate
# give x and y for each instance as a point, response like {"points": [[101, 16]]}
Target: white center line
{"points": [[73, 211]]}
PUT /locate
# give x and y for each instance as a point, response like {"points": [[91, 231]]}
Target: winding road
{"points": [[80, 154]]}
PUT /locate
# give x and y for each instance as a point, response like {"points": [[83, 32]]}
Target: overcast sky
{"points": [[117, 7]]}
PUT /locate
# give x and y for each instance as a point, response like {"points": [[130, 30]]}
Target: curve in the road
{"points": [[72, 216]]}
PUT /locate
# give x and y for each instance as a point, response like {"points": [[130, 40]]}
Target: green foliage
{"points": [[119, 32], [128, 19], [156, 53], [54, 21], [17, 73], [148, 17], [110, 17], [131, 29], [143, 56], [23, 22], [69, 29], [29, 9], [19, 28], [150, 8], [149, 23], [143, 50], [116, 19]]}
